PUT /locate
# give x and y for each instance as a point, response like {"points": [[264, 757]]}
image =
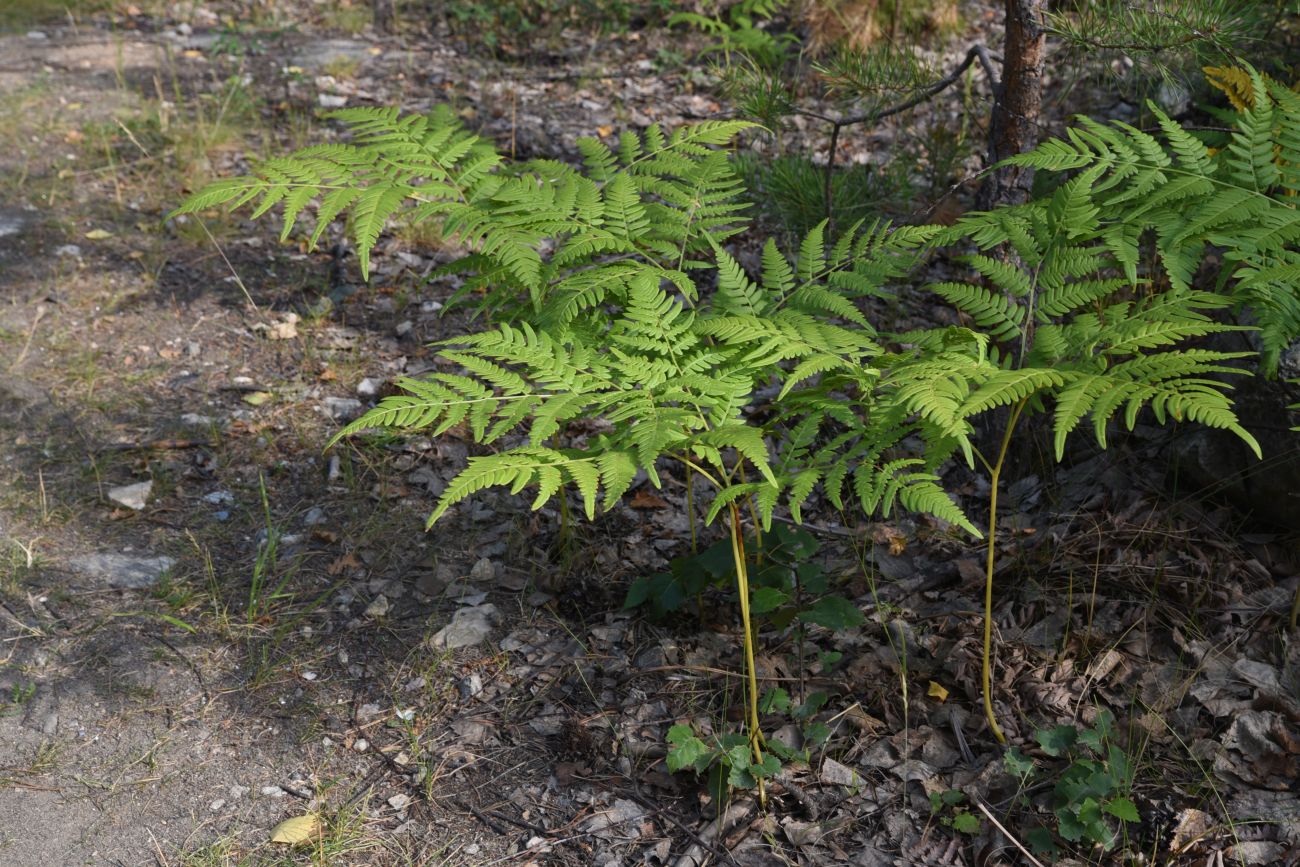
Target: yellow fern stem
{"points": [[751, 668], [986, 663]]}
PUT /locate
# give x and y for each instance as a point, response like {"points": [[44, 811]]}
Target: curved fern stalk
{"points": [[986, 659]]}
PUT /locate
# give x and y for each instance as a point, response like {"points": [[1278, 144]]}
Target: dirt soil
{"points": [[211, 623]]}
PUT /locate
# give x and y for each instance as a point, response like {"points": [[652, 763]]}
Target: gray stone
{"points": [[622, 819], [369, 387], [470, 685], [342, 408], [124, 571], [469, 626], [483, 570], [132, 496]]}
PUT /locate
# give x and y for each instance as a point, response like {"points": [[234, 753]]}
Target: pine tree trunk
{"points": [[1014, 126]]}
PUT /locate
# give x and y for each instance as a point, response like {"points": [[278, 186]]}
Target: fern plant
{"points": [[613, 328], [615, 302], [1071, 321]]}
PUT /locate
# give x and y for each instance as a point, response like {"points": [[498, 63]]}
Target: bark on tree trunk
{"points": [[383, 14], [1014, 126]]}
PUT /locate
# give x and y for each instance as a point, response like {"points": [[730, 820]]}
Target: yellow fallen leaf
{"points": [[299, 829], [257, 398], [98, 234], [936, 690]]}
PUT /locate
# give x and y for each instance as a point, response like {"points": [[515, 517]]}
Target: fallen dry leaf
{"points": [[296, 830], [643, 499]]}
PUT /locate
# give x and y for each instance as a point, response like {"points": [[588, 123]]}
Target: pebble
{"points": [[378, 607], [470, 686], [483, 570], [399, 802], [272, 792], [68, 250], [217, 805], [360, 745], [469, 626], [237, 792], [342, 408], [193, 419], [315, 515], [404, 327], [219, 498], [369, 387], [132, 496]]}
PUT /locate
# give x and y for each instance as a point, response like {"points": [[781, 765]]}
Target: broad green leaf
{"points": [[833, 612]]}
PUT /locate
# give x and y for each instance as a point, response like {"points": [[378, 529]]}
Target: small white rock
{"points": [[360, 745], [309, 675], [369, 387], [217, 804], [399, 802], [404, 327], [272, 792], [132, 496]]}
